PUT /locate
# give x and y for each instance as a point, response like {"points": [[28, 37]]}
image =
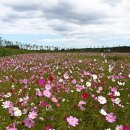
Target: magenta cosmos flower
{"points": [[48, 127], [73, 121], [110, 117], [126, 127], [41, 82], [43, 104]]}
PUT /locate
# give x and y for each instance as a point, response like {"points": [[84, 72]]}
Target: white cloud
{"points": [[80, 20]]}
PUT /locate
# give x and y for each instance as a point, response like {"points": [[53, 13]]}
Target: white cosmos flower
{"points": [[13, 86], [88, 84], [60, 80], [117, 101], [17, 111], [63, 100], [105, 60], [113, 80], [98, 91], [70, 71], [117, 93], [66, 76], [8, 95], [59, 73], [80, 61], [121, 83], [103, 112], [21, 99], [94, 77], [110, 68], [102, 100], [6, 104]]}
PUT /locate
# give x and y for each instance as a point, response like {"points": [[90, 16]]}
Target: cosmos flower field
{"points": [[65, 91]]}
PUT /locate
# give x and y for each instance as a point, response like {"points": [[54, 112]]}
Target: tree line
{"points": [[25, 46]]}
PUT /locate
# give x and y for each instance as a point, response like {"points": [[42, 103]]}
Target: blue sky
{"points": [[63, 23], [56, 40]]}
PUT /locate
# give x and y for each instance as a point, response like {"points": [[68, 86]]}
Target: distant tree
{"points": [[37, 47], [1, 42], [56, 48], [41, 47], [34, 47], [13, 47]]}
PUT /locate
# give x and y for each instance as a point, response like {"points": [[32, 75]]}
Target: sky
{"points": [[66, 23]]}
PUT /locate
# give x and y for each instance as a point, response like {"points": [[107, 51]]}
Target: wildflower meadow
{"points": [[65, 91]]}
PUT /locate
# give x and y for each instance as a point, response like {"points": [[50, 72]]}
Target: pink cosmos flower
{"points": [[25, 111], [114, 89], [74, 81], [32, 115], [110, 117], [11, 127], [47, 93], [2, 94], [80, 105], [73, 121], [48, 86], [92, 95], [26, 98], [23, 81], [7, 104], [79, 88], [81, 80], [119, 127], [28, 122], [39, 93], [11, 111], [87, 73], [100, 88], [102, 100], [53, 99]]}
